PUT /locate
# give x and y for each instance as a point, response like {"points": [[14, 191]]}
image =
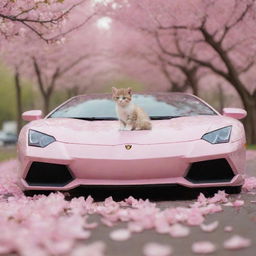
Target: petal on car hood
{"points": [[107, 132]]}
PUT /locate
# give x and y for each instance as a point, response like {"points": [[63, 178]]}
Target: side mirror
{"points": [[32, 115], [236, 113]]}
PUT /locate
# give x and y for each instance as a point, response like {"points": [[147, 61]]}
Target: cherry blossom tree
{"points": [[194, 38], [39, 16], [46, 62]]}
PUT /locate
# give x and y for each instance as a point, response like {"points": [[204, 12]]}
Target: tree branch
{"points": [[39, 76], [227, 28]]}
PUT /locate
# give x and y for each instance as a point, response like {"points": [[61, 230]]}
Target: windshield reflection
{"points": [[158, 106]]}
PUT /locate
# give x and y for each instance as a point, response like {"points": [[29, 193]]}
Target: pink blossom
{"points": [[135, 227], [211, 208], [156, 249], [249, 184], [237, 242], [195, 217], [161, 224], [94, 249], [202, 200], [220, 197], [238, 203], [228, 228], [120, 234], [203, 247], [209, 227], [178, 230]]}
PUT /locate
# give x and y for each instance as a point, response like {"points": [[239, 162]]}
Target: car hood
{"points": [[107, 132]]}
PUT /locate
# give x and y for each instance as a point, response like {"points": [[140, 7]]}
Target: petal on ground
{"points": [[228, 228], [94, 249], [237, 242], [209, 227], [156, 249], [178, 230], [249, 184], [120, 234], [203, 247]]}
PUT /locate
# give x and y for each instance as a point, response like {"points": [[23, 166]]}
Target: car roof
{"points": [[138, 93]]}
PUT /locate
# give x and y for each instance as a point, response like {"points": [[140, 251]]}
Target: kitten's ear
{"points": [[114, 90], [129, 90]]}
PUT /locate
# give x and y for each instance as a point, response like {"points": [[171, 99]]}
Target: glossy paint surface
{"points": [[32, 115], [236, 113], [97, 153]]}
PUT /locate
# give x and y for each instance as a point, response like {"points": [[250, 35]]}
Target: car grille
{"points": [[211, 171], [47, 174]]}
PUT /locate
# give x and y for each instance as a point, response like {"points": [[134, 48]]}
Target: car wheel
{"points": [[233, 190]]}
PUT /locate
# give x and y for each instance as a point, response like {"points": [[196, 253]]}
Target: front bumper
{"points": [[166, 163]]}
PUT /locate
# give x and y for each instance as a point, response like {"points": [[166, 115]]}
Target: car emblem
{"points": [[128, 147]]}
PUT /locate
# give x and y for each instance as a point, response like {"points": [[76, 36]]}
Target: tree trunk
{"points": [[46, 103], [18, 101], [250, 121], [192, 80], [232, 76], [221, 97]]}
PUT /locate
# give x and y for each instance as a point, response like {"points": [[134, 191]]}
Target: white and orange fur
{"points": [[131, 116]]}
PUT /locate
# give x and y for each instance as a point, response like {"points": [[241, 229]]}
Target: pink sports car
{"points": [[79, 144]]}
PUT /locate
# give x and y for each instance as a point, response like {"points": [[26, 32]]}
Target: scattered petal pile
{"points": [[51, 225]]}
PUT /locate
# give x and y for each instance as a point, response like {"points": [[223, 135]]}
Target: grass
{"points": [[251, 147], [7, 153]]}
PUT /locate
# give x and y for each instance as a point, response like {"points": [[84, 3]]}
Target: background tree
{"points": [[204, 37]]}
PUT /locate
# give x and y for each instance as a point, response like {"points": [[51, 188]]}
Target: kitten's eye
{"points": [[116, 98], [124, 98]]}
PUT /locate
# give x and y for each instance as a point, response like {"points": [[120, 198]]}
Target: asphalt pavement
{"points": [[243, 221]]}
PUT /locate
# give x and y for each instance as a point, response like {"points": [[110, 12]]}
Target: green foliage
{"points": [[58, 97], [7, 153], [251, 147], [7, 96]]}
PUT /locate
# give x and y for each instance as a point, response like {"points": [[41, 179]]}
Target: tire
{"points": [[233, 190]]}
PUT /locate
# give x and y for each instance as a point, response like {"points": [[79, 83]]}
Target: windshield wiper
{"points": [[113, 118], [95, 118], [163, 117]]}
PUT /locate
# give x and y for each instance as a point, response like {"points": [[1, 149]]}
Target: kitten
{"points": [[131, 117]]}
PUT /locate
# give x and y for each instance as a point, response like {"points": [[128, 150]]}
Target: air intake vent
{"points": [[211, 171], [46, 174]]}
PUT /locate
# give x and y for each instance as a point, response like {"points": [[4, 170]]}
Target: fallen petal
{"points": [[237, 242], [178, 230], [94, 249], [209, 227], [238, 203], [120, 234], [228, 229], [155, 249], [203, 247]]}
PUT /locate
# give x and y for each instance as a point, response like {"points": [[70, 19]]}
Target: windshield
{"points": [[158, 106]]}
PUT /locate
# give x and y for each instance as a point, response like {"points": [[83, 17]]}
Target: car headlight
{"points": [[218, 136], [39, 139]]}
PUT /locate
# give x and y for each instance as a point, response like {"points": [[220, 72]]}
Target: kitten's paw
{"points": [[127, 128]]}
